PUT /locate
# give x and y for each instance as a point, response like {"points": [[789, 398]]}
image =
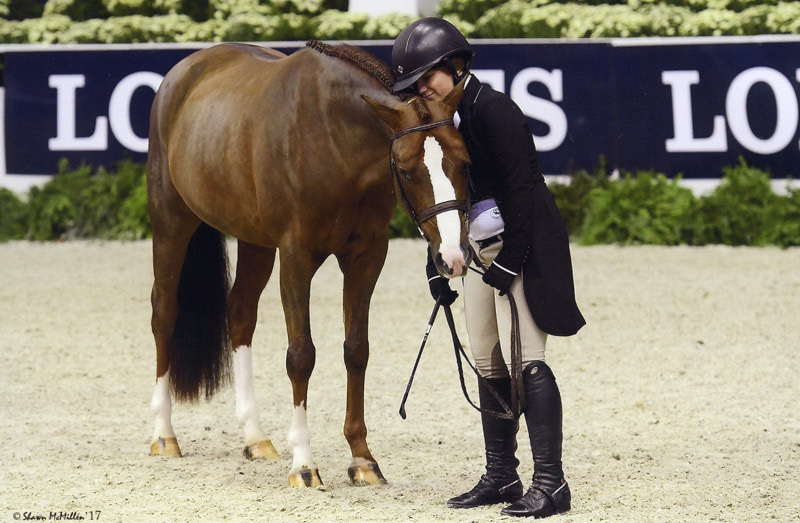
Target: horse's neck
{"points": [[364, 131], [360, 114]]}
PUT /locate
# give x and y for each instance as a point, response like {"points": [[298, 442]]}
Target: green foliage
{"points": [[546, 19], [77, 9], [223, 9], [138, 28], [467, 28], [572, 198], [250, 27], [742, 210], [517, 19], [82, 32], [133, 218], [338, 25], [218, 20], [12, 216], [206, 31], [644, 209], [341, 5], [197, 10], [467, 10], [43, 30], [119, 29], [786, 232], [639, 208], [22, 9], [304, 7], [83, 204], [142, 7], [13, 32], [401, 225], [386, 27]]}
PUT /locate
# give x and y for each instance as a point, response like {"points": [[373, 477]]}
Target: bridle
{"points": [[430, 212]]}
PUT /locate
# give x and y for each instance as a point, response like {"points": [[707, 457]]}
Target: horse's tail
{"points": [[200, 352]]}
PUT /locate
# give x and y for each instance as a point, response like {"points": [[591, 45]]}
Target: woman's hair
{"points": [[459, 62], [454, 65]]}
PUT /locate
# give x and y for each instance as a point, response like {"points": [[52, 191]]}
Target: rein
{"points": [[517, 390], [508, 412], [430, 212], [517, 394]]}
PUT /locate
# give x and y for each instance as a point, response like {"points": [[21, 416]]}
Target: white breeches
{"points": [[488, 317]]}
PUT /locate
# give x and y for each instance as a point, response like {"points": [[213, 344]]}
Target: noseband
{"points": [[430, 212]]}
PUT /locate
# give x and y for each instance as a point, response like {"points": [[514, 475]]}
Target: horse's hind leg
{"points": [[297, 268], [173, 226], [253, 269], [361, 264]]}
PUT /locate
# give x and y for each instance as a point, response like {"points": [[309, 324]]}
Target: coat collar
{"points": [[471, 92]]}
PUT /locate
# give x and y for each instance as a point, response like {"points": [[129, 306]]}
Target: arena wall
{"points": [[687, 106]]}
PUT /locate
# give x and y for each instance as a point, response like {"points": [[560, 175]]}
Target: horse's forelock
{"points": [[422, 110]]}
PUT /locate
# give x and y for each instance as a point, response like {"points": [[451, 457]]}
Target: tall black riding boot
{"points": [[501, 483], [549, 494]]}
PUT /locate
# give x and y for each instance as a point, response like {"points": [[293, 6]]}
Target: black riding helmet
{"points": [[423, 45]]}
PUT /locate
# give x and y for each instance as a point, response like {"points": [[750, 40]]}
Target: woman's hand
{"points": [[498, 278], [440, 288]]}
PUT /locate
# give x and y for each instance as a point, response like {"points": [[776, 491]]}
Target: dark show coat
{"points": [[535, 242]]}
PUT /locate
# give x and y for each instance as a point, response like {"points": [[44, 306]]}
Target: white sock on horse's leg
{"points": [[300, 440], [161, 408], [246, 408]]}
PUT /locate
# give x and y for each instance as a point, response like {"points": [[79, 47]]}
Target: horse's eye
{"points": [[405, 175]]}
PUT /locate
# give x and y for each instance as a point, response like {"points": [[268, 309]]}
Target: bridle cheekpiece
{"points": [[430, 212]]}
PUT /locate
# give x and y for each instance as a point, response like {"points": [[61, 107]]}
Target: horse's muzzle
{"points": [[453, 265]]}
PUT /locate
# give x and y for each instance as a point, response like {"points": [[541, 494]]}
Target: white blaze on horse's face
{"points": [[448, 222]]}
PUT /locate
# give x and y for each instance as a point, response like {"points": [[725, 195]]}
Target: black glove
{"points": [[440, 288], [498, 278]]}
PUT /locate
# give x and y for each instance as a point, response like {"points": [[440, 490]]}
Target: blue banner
{"points": [[678, 106]]}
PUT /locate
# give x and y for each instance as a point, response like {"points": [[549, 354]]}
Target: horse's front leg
{"points": [[297, 269], [361, 266]]}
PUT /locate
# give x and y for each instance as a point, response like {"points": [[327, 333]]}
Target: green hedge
{"points": [[80, 21], [637, 208], [20, 9], [647, 208], [517, 19], [81, 203]]}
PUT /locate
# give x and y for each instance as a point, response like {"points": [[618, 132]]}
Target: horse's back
{"points": [[217, 68]]}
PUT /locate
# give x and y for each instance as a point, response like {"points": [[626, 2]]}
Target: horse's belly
{"points": [[218, 192]]}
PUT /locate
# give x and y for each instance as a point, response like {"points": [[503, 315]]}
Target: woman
{"points": [[522, 248]]}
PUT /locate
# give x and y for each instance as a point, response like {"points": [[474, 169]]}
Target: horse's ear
{"points": [[390, 115], [453, 98]]}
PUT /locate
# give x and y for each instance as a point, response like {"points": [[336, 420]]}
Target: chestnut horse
{"points": [[306, 155]]}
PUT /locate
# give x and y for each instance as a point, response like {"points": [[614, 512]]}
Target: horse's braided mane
{"points": [[374, 67]]}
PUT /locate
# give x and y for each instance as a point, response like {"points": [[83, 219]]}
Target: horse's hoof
{"points": [[366, 473], [305, 477], [260, 450], [165, 447]]}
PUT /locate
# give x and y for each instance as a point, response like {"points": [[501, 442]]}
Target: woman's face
{"points": [[435, 85]]}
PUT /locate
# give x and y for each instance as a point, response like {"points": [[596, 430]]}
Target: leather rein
{"points": [[426, 214]]}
